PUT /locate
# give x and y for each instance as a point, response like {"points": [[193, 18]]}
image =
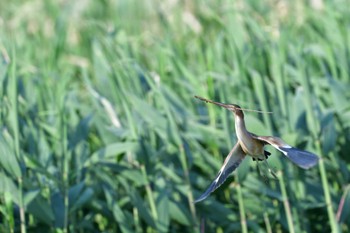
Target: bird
{"points": [[253, 145]]}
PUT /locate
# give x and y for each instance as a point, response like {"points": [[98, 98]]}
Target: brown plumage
{"points": [[253, 145]]}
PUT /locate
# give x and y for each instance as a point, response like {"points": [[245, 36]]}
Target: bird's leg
{"points": [[270, 170], [262, 175], [257, 167]]}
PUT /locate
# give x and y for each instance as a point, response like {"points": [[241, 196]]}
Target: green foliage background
{"points": [[100, 131]]}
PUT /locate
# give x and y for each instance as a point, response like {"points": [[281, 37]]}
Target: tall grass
{"points": [[100, 131]]}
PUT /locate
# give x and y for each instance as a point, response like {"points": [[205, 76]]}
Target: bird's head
{"points": [[232, 107]]}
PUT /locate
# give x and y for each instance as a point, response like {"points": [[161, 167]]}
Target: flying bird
{"points": [[253, 145]]}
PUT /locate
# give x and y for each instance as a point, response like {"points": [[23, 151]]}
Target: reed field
{"points": [[100, 130]]}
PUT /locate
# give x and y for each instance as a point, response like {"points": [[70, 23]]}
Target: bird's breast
{"points": [[250, 145]]}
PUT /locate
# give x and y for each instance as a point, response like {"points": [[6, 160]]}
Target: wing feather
{"points": [[232, 161], [303, 159]]}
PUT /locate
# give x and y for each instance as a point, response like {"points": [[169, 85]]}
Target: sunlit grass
{"points": [[100, 130]]}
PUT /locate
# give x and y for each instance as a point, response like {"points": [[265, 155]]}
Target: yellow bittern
{"points": [[253, 145]]}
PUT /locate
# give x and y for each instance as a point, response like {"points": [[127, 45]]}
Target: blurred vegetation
{"points": [[100, 131]]}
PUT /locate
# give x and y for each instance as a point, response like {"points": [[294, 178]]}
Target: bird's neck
{"points": [[249, 145], [240, 124], [244, 137]]}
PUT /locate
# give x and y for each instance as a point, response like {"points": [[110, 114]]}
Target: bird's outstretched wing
{"points": [[303, 159], [232, 161]]}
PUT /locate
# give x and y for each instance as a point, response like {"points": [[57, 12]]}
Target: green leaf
{"points": [[123, 221], [110, 151], [7, 185], [144, 211], [344, 204], [162, 203], [340, 95], [75, 191], [8, 159], [257, 186], [80, 133], [154, 119], [121, 216], [58, 208], [135, 176], [179, 213], [79, 194], [41, 210], [329, 134], [255, 125], [30, 196], [84, 197]]}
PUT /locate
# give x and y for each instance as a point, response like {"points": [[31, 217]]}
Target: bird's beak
{"points": [[227, 106]]}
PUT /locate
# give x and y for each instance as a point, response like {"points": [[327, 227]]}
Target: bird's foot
{"points": [[271, 171], [261, 174]]}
